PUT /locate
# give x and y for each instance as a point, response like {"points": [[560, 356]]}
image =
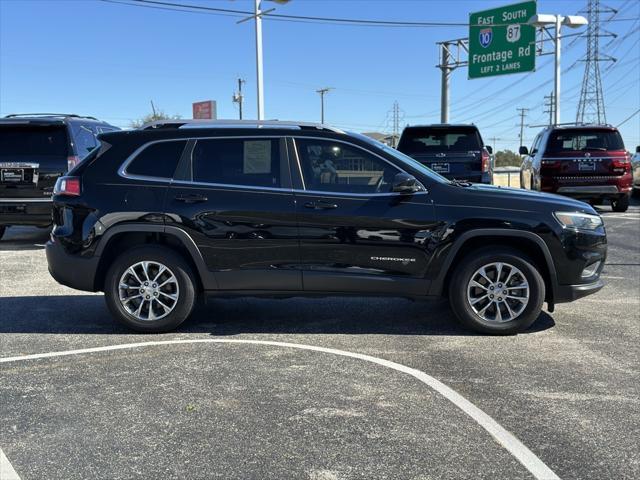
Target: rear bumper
{"points": [[586, 187], [569, 293], [36, 212], [71, 270]]}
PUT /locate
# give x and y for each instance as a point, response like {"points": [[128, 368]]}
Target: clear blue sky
{"points": [[109, 60]]}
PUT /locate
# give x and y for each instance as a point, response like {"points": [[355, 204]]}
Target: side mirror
{"points": [[638, 149], [489, 148], [406, 184], [523, 150]]}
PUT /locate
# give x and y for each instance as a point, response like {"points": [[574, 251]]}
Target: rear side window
{"points": [[438, 140], [33, 141], [248, 162], [584, 140], [157, 160]]}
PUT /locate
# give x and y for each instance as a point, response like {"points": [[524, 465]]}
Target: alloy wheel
{"points": [[148, 291], [498, 292]]}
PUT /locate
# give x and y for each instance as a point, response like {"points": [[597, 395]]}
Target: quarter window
{"points": [[84, 139], [158, 160], [251, 162], [335, 167]]}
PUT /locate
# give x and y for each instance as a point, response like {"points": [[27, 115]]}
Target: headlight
{"points": [[580, 221]]}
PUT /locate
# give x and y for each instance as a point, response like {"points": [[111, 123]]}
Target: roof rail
{"points": [[75, 115], [176, 124]]}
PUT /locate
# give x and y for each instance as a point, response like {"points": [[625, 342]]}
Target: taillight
{"points": [[550, 164], [67, 186], [486, 160], [72, 161], [622, 165]]}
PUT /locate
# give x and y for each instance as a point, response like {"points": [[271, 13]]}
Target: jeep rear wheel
{"points": [[150, 289], [621, 204], [497, 291]]}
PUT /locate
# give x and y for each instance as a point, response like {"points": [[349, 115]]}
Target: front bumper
{"points": [[569, 293], [71, 270], [34, 212]]}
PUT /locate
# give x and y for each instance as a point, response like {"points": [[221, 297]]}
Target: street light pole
{"points": [[259, 77], [543, 20], [556, 84]]}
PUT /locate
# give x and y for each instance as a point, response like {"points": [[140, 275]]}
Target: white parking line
{"points": [[6, 469], [525, 456]]}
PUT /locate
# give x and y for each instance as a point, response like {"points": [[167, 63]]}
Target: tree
{"points": [[507, 158], [152, 117]]}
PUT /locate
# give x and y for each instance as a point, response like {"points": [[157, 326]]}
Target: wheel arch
{"points": [[526, 242], [122, 237]]}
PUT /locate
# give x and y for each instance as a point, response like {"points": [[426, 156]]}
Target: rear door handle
{"points": [[320, 205], [194, 198]]}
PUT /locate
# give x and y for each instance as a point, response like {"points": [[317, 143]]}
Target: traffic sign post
{"points": [[501, 42]]}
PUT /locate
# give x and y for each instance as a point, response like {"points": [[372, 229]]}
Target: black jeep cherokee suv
{"points": [[157, 216]]}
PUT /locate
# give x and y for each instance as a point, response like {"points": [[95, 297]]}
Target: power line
{"points": [[301, 18], [628, 118]]}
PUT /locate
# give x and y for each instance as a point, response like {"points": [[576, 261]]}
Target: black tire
{"points": [[462, 275], [185, 280], [621, 204], [2, 230]]}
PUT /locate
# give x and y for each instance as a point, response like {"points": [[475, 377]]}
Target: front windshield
{"points": [[402, 157]]}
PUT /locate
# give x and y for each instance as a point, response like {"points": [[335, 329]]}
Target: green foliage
{"points": [[507, 158], [152, 117]]}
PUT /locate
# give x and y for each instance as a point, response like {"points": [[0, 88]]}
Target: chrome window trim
{"points": [[250, 188], [232, 186], [320, 192], [122, 171]]}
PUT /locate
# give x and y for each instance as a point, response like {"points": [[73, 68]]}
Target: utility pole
{"points": [[523, 113], [153, 108], [322, 93], [591, 104], [238, 97], [549, 103], [493, 143]]}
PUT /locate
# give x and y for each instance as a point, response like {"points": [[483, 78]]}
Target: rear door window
{"points": [[584, 140], [439, 140], [158, 160], [251, 162], [39, 143]]}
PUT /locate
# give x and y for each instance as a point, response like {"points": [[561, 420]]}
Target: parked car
{"points": [[161, 215], [635, 166], [35, 150], [453, 151], [587, 162]]}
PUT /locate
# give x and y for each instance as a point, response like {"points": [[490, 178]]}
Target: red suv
{"points": [[587, 162]]}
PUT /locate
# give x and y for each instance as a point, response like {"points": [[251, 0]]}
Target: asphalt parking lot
{"points": [[195, 405]]}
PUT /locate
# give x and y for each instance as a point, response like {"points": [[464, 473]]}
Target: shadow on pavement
{"points": [[24, 238], [87, 314]]}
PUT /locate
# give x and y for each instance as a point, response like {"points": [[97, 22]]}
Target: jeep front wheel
{"points": [[497, 291]]}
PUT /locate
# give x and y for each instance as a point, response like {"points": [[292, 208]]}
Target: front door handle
{"points": [[194, 198], [320, 205]]}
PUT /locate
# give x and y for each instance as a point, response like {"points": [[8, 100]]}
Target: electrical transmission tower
{"points": [[591, 106], [396, 124]]}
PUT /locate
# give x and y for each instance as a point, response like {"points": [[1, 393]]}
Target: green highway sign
{"points": [[501, 42]]}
